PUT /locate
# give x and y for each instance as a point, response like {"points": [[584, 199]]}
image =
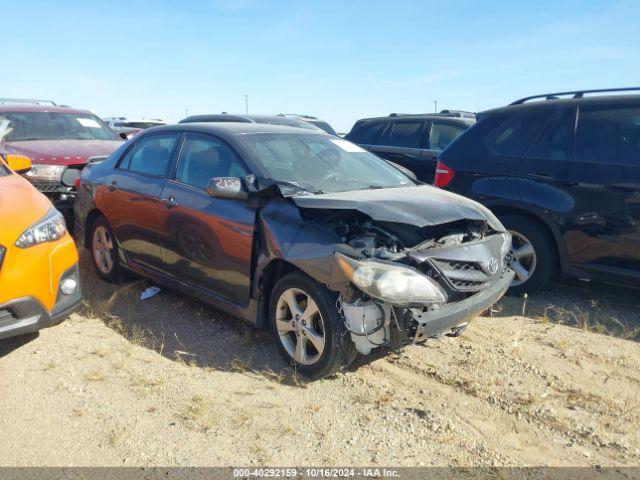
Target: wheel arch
{"points": [[91, 217], [546, 224], [269, 275]]}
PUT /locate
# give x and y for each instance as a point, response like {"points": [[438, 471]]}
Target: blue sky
{"points": [[339, 60]]}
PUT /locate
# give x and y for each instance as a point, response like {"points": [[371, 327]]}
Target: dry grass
{"points": [[115, 436], [100, 352], [93, 376], [200, 412], [50, 366]]}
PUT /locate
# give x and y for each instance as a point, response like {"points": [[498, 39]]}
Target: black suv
{"points": [[412, 141], [563, 175]]}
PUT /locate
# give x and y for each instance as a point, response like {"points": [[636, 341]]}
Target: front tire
{"points": [[307, 327], [534, 254], [104, 251]]}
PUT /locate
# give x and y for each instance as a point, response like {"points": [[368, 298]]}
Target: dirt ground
{"points": [[168, 382]]}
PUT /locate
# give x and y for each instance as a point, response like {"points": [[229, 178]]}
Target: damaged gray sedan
{"points": [[336, 251]]}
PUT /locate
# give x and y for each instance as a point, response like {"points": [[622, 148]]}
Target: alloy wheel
{"points": [[300, 326], [102, 247], [524, 258]]}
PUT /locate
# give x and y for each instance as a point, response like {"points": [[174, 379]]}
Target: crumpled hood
{"points": [[421, 206], [21, 205], [62, 152]]}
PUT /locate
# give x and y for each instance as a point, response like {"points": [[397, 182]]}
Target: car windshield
{"points": [[55, 126], [320, 163]]}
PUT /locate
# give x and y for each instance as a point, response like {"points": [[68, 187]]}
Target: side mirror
{"points": [[18, 163], [226, 187], [123, 136]]}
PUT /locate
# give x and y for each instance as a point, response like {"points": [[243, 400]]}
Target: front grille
{"points": [[462, 276], [6, 318], [50, 187]]}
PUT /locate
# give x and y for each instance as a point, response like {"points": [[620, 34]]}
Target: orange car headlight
{"points": [[48, 229]]}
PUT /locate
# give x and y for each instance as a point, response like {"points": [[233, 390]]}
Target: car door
{"points": [[132, 202], [402, 143], [207, 242], [589, 168], [606, 233], [439, 135]]}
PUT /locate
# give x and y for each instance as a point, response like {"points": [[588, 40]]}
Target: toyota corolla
{"points": [[334, 250]]}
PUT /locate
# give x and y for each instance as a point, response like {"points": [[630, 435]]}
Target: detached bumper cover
{"points": [[444, 319], [27, 315]]}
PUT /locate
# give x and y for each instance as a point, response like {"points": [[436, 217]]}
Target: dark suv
{"points": [[412, 141], [563, 175]]}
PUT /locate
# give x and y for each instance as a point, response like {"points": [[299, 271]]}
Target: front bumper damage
{"points": [[432, 323], [474, 275], [373, 323]]}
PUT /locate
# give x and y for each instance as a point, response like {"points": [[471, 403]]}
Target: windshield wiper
{"points": [[380, 187], [264, 183]]}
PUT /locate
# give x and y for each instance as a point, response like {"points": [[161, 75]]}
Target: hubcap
{"points": [[524, 258], [103, 249], [300, 326]]}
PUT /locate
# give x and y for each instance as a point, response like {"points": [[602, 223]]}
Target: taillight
{"points": [[444, 175]]}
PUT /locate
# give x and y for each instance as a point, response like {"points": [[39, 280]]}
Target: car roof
{"points": [[233, 128], [420, 116], [229, 117], [613, 100], [9, 107]]}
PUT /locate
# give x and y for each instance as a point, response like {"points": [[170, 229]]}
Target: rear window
{"points": [[442, 134], [515, 135], [366, 133], [608, 135], [406, 134]]}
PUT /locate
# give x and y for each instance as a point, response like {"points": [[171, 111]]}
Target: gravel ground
{"points": [[169, 382]]}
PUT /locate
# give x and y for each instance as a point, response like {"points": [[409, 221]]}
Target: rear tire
{"points": [[307, 327], [104, 251], [535, 259]]}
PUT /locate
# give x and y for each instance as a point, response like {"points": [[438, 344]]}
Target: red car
{"points": [[59, 140]]}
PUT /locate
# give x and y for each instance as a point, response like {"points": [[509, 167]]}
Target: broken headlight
{"points": [[396, 284]]}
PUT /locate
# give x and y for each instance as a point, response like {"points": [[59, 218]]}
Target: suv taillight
{"points": [[444, 175]]}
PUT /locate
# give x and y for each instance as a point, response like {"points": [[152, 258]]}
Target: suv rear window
{"points": [[442, 134], [406, 134], [515, 135], [608, 135]]}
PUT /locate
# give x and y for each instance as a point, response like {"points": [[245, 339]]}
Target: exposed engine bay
{"points": [[462, 258]]}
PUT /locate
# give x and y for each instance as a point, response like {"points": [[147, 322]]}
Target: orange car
{"points": [[39, 280]]}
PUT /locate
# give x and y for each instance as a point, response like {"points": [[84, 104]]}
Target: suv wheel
{"points": [[307, 327], [534, 258], [104, 251]]}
